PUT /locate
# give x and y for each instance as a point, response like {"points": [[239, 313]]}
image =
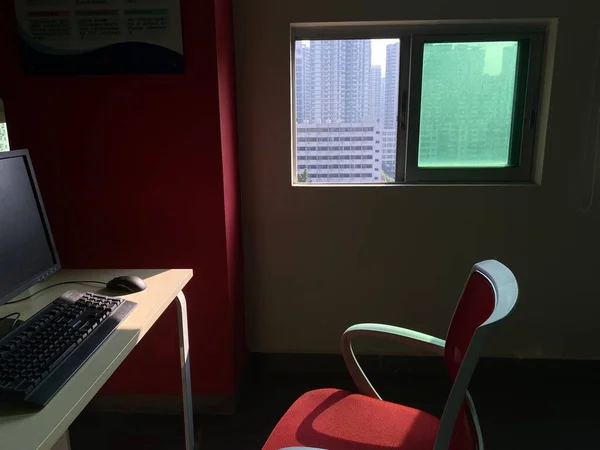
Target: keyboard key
{"points": [[24, 387], [8, 386], [74, 323]]}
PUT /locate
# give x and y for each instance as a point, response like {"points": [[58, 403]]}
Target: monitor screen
{"points": [[27, 251]]}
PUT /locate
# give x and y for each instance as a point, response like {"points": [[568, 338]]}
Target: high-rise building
{"points": [[376, 95], [357, 74], [390, 122], [388, 152], [392, 75], [382, 96], [333, 81], [303, 85]]}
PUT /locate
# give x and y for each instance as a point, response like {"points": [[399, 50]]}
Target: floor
{"points": [[530, 413]]}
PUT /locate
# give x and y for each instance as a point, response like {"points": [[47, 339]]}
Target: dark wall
{"points": [[319, 260]]}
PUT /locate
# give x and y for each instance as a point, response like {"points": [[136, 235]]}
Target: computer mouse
{"points": [[126, 284]]}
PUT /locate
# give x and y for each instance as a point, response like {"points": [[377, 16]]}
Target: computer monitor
{"points": [[27, 251]]}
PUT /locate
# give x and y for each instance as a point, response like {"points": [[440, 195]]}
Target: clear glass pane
{"points": [[346, 95], [3, 130], [467, 104]]}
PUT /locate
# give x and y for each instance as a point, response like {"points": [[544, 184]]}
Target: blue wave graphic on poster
{"points": [[121, 58]]}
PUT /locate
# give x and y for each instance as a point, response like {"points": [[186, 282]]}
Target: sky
{"points": [[378, 52]]}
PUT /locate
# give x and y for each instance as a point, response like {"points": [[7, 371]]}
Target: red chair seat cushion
{"points": [[338, 420]]}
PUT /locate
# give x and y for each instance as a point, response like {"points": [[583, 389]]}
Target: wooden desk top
{"points": [[21, 429]]}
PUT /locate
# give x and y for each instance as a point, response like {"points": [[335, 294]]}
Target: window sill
{"points": [[425, 184]]}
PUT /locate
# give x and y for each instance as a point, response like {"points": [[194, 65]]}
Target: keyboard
{"points": [[41, 355]]}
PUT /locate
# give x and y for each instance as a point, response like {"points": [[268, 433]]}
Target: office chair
{"points": [[338, 420]]}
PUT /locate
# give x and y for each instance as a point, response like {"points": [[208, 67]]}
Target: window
{"points": [[445, 103]]}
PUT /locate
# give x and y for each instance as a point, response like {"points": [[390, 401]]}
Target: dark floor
{"points": [[546, 412]]}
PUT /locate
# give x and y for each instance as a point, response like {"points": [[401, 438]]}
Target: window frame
{"points": [[531, 36]]}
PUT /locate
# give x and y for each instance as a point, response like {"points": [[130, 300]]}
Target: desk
{"points": [[41, 430]]}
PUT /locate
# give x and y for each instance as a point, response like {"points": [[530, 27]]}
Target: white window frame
{"points": [[531, 37]]}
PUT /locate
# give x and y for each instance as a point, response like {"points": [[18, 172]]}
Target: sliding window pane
{"points": [[346, 96], [467, 104]]}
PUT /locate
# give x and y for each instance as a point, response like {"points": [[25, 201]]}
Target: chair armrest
{"points": [[411, 337]]}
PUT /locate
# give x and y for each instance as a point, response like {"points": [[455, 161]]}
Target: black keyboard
{"points": [[40, 356]]}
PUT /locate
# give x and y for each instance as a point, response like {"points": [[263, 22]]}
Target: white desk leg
{"points": [[184, 352]]}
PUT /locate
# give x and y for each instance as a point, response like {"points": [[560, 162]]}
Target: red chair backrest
{"points": [[475, 306], [489, 296]]}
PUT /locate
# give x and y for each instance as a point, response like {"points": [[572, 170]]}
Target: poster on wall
{"points": [[85, 37]]}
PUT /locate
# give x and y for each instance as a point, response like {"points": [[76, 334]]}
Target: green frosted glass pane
{"points": [[467, 104]]}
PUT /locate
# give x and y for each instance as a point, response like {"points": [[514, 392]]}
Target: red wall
{"points": [[227, 114], [140, 171]]}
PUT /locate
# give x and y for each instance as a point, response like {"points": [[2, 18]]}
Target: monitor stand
{"points": [[8, 325]]}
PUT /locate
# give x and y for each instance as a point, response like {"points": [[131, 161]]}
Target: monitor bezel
{"points": [[46, 224]]}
